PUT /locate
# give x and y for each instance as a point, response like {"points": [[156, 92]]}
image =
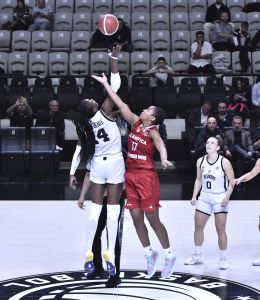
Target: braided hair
{"points": [[84, 130], [159, 115]]}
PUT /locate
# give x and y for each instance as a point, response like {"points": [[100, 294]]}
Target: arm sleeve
{"points": [[75, 160], [115, 82]]}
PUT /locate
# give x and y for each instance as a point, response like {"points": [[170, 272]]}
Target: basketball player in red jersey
{"points": [[141, 179]]}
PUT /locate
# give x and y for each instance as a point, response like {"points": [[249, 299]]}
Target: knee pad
{"points": [[113, 212], [95, 210]]}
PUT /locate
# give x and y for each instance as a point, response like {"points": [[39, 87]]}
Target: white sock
{"points": [[148, 250], [198, 249], [113, 212], [223, 253]]}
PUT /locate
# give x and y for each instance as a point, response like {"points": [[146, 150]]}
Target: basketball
{"points": [[108, 24]]}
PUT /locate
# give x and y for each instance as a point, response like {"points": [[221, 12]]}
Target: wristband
{"points": [[110, 54]]}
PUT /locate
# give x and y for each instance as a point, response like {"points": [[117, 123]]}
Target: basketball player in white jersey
{"points": [[246, 177], [100, 144], [213, 181]]}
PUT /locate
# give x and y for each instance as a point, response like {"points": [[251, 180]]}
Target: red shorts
{"points": [[142, 190]]}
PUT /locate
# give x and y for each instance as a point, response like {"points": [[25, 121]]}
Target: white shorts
{"points": [[107, 169], [209, 202]]}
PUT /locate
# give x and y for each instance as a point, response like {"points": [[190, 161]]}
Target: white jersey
{"points": [[214, 178], [107, 135]]}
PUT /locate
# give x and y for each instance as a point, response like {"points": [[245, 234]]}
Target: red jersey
{"points": [[140, 148]]}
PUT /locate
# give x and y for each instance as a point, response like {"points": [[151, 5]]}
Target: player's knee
{"points": [[95, 210], [113, 212]]}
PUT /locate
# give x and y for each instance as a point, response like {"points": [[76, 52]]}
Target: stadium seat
{"points": [[7, 5], [58, 63], [141, 40], [4, 61], [30, 3], [43, 157], [60, 41], [165, 96], [68, 94], [92, 90], [140, 94], [237, 18], [180, 40], [63, 21], [41, 41], [160, 21], [38, 63], [121, 5], [159, 5], [80, 40], [79, 63], [50, 3], [253, 19], [124, 62], [84, 6], [21, 40], [13, 150], [214, 91], [235, 5], [125, 16], [42, 94], [5, 17], [82, 21], [104, 6], [17, 63], [5, 38], [236, 67], [189, 94], [180, 61], [179, 21], [19, 87], [140, 62], [160, 40], [99, 62], [197, 20], [64, 6], [179, 5], [140, 6], [140, 20], [256, 61], [197, 5]]}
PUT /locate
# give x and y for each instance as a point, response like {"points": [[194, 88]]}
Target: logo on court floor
{"points": [[135, 285]]}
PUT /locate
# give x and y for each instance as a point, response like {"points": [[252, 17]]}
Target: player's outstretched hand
{"points": [[115, 51], [102, 79]]}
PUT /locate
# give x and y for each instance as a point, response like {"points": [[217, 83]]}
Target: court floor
{"points": [[39, 237]]}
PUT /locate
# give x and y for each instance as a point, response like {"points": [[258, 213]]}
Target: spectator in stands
{"points": [[240, 99], [42, 17], [213, 16], [238, 146], [210, 130], [122, 37], [201, 52], [160, 71], [242, 40], [21, 115], [53, 118], [222, 34], [21, 17], [223, 116], [197, 117], [98, 40]]}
